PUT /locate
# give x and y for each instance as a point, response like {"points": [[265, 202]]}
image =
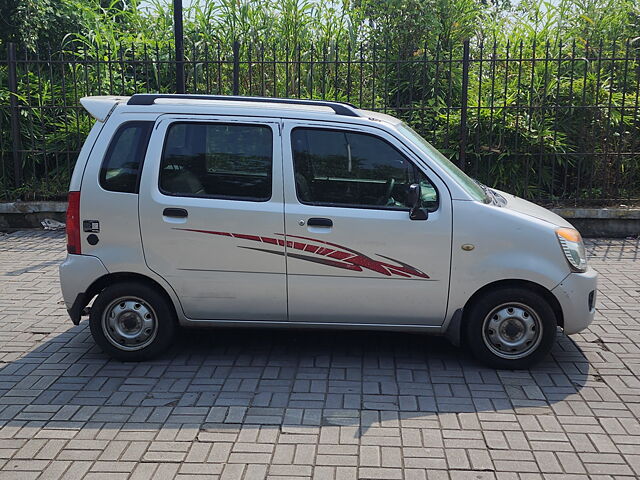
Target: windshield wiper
{"points": [[489, 197]]}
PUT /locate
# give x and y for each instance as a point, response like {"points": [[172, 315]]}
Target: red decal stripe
{"points": [[343, 257], [255, 238], [340, 255]]}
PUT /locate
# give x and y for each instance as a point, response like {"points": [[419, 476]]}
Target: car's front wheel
{"points": [[132, 321], [510, 328]]}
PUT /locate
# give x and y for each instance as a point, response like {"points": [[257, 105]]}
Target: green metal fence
{"points": [[554, 123]]}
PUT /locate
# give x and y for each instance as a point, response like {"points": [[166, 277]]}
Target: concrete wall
{"points": [[592, 222], [18, 215], [603, 222]]}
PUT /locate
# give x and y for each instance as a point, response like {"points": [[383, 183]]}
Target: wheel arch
{"points": [[455, 328], [118, 277], [542, 291]]}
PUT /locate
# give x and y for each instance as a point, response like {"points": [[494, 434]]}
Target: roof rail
{"points": [[340, 108]]}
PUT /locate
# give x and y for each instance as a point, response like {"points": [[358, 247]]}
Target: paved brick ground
{"points": [[324, 405]]}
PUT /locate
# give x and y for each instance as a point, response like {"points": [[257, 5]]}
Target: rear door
{"points": [[211, 215], [353, 253]]}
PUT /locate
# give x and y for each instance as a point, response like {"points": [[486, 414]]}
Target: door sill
{"points": [[185, 322]]}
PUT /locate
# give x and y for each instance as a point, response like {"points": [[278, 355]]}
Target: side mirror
{"points": [[415, 201]]}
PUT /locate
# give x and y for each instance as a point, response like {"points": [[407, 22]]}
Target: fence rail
{"points": [[554, 123]]}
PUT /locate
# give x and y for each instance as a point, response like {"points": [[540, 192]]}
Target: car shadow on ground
{"points": [[220, 379]]}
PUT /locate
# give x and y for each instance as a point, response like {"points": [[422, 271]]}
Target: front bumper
{"points": [[77, 273], [577, 297]]}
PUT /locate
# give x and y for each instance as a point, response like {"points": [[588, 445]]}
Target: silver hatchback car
{"points": [[240, 211]]}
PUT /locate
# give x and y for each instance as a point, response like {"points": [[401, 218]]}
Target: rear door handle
{"points": [[175, 212], [320, 222]]}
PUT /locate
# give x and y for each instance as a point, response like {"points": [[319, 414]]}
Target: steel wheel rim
{"points": [[512, 330], [129, 323]]}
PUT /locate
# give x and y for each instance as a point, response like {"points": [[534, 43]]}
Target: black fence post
{"points": [[463, 106], [178, 34], [15, 115], [236, 67]]}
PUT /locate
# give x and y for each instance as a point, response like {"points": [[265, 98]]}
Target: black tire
{"points": [[144, 317], [510, 328]]}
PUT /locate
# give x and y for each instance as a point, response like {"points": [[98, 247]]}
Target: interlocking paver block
{"points": [[253, 404]]}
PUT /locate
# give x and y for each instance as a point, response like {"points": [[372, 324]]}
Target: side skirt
{"points": [[428, 329]]}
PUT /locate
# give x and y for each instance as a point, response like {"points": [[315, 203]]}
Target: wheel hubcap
{"points": [[129, 323], [512, 330]]}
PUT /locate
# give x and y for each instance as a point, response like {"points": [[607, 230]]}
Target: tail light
{"points": [[73, 223]]}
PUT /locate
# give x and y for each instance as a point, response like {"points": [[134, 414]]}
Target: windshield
{"points": [[466, 182]]}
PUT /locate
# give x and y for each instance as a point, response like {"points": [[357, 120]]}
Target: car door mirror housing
{"points": [[414, 198]]}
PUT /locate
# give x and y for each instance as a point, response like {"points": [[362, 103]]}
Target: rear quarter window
{"points": [[122, 164]]}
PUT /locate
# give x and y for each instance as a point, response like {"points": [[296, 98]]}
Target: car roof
{"points": [[100, 107]]}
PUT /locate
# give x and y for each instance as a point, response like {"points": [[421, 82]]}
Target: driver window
{"points": [[346, 169]]}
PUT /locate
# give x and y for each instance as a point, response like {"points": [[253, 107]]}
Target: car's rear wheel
{"points": [[510, 328], [132, 321]]}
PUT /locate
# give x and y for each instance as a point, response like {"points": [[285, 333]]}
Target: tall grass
{"points": [[545, 126]]}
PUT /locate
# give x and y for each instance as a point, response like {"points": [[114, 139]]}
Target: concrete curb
{"points": [[18, 215], [592, 222], [603, 222], [32, 207], [604, 213]]}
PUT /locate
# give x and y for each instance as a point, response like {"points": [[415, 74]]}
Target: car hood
{"points": [[525, 207]]}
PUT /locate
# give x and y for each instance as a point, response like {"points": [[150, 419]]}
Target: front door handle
{"points": [[175, 212], [320, 222]]}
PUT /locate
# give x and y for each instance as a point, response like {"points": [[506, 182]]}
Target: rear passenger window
{"points": [[216, 160], [121, 166]]}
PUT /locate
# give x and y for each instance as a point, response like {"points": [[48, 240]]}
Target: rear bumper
{"points": [[577, 297], [77, 273]]}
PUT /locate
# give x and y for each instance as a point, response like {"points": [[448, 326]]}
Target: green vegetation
{"points": [[552, 94]]}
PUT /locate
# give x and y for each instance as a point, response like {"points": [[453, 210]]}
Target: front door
{"points": [[211, 203], [353, 254]]}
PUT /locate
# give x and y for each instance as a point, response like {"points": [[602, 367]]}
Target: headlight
{"points": [[573, 248]]}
